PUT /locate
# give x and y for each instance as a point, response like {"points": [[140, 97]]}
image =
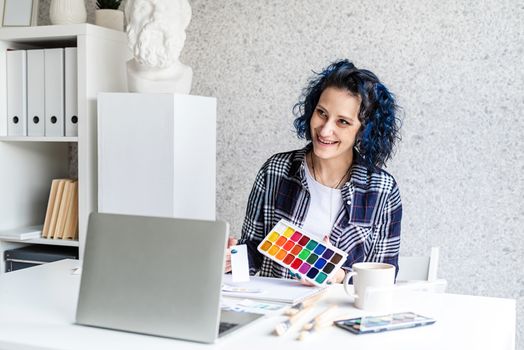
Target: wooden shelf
{"points": [[10, 236], [60, 242], [37, 139]]}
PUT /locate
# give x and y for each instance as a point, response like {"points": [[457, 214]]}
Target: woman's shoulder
{"points": [[376, 179], [285, 162]]}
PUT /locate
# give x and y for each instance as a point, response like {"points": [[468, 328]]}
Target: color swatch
{"points": [[300, 252]]}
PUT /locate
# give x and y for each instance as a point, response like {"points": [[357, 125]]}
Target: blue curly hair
{"points": [[380, 128]]}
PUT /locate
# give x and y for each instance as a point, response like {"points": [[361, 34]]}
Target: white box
{"points": [[157, 155]]}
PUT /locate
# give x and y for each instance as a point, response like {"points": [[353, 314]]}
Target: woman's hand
{"points": [[231, 242]]}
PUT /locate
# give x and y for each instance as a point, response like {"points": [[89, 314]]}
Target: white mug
{"points": [[372, 284]]}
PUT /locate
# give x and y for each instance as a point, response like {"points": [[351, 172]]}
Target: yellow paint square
{"points": [[288, 232], [273, 236]]}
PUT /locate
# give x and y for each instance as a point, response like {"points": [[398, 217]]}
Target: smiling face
{"points": [[334, 124]]}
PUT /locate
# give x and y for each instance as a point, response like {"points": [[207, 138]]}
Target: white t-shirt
{"points": [[323, 208]]}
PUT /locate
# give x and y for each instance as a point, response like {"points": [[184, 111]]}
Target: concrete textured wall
{"points": [[456, 68]]}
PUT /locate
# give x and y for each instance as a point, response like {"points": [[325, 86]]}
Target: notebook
{"points": [[157, 276], [277, 290]]}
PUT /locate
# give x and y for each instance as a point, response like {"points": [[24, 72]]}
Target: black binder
{"points": [[37, 254]]}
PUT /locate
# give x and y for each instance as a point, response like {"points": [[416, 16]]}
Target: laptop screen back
{"points": [[158, 276]]}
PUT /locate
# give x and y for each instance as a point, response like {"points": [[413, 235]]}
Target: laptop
{"points": [[156, 276]]}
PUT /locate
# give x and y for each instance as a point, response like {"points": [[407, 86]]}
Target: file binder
{"points": [[54, 87], [71, 93], [16, 93], [35, 93]]}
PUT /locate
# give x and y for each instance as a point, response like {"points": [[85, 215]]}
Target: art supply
{"points": [[239, 263], [283, 327], [320, 318], [279, 290], [302, 253], [374, 324], [252, 306], [316, 327], [302, 305]]}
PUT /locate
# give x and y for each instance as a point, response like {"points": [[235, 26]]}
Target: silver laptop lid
{"points": [[159, 276]]}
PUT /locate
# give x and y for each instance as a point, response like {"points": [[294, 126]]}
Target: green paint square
{"points": [[304, 254], [311, 245], [312, 258], [321, 277]]}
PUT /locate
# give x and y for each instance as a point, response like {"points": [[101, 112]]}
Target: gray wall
{"points": [[456, 68]]}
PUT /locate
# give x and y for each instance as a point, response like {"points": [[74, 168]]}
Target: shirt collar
{"points": [[297, 167]]}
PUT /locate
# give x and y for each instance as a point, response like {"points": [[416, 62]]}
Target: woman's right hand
{"points": [[231, 242]]}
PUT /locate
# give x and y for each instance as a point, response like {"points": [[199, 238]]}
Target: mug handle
{"points": [[346, 285]]}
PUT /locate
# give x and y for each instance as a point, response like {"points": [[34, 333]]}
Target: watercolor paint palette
{"points": [[302, 253]]}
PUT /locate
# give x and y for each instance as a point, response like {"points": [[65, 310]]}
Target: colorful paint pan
{"points": [[302, 253]]}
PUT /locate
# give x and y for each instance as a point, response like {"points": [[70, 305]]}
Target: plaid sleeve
{"points": [[387, 245], [253, 226]]}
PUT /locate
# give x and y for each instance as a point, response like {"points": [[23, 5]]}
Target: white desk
{"points": [[37, 310]]}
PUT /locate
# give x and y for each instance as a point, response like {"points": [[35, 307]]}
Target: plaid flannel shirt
{"points": [[367, 226]]}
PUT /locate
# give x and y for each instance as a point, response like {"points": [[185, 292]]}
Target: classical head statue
{"points": [[156, 34]]}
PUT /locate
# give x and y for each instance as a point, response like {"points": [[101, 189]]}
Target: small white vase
{"points": [[67, 11], [113, 19]]}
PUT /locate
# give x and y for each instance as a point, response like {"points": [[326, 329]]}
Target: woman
{"points": [[334, 187]]}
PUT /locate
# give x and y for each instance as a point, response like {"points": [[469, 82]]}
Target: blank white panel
{"points": [[156, 155]]}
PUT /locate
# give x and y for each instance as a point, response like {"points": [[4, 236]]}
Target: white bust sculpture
{"points": [[156, 33]]}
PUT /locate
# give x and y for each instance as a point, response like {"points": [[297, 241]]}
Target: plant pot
{"points": [[67, 11], [113, 19]]}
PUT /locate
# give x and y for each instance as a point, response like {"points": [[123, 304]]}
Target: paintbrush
{"points": [[320, 321], [302, 305], [283, 327], [316, 327]]}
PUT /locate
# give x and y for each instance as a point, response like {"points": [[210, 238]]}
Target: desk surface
{"points": [[37, 310]]}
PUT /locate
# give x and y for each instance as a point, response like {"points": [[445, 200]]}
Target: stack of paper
{"points": [[22, 233]]}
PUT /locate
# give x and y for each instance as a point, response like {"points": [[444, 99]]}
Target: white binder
{"points": [[35, 93], [16, 93], [71, 92], [54, 96]]}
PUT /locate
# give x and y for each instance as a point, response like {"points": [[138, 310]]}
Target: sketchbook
{"points": [[269, 289]]}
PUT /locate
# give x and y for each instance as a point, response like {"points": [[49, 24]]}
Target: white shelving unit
{"points": [[28, 164]]}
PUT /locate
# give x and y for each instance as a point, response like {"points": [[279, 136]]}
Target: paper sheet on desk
{"points": [[246, 305], [270, 289]]}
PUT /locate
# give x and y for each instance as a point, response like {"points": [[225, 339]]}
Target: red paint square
{"points": [[288, 259], [296, 263]]}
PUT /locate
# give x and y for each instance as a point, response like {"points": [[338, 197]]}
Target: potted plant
{"points": [[108, 15]]}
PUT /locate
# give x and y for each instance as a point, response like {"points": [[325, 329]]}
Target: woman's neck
{"points": [[330, 172]]}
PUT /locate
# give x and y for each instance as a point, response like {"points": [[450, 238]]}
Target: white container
{"points": [[157, 155], [67, 11], [112, 19]]}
